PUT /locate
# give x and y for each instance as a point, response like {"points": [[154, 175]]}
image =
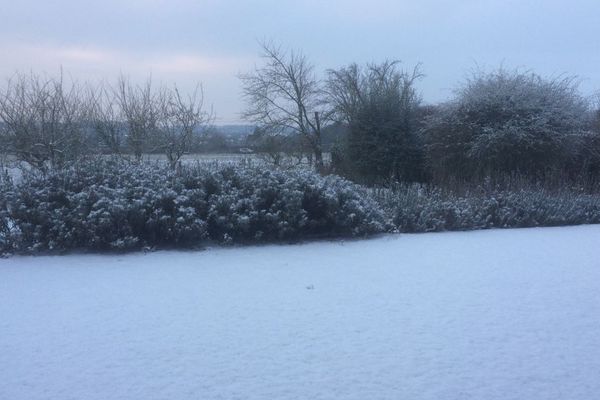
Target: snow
{"points": [[500, 314]]}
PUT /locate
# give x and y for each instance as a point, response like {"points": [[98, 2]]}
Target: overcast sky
{"points": [[211, 41]]}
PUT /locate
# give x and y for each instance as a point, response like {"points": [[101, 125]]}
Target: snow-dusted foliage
{"points": [[5, 187], [506, 122], [418, 208], [102, 204]]}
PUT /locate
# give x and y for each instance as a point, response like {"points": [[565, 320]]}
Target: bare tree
{"points": [[350, 88], [4, 145], [269, 147], [284, 96], [139, 107], [42, 120], [106, 119], [179, 119], [345, 88]]}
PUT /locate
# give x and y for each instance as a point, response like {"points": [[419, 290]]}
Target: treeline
{"points": [[498, 124], [367, 123], [48, 121]]}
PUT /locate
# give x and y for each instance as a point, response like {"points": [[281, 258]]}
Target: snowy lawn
{"points": [[502, 314]]}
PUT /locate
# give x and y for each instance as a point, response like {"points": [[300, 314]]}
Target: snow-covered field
{"points": [[503, 314]]}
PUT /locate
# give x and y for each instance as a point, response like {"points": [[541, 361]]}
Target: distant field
{"points": [[212, 157], [14, 168], [9, 161], [228, 157]]}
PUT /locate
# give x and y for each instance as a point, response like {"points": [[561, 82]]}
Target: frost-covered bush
{"points": [[102, 204], [506, 122], [418, 208]]}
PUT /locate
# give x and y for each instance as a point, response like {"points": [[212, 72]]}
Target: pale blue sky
{"points": [[211, 41]]}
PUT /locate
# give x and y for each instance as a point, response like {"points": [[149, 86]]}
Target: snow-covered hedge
{"points": [[114, 205], [5, 190], [102, 204], [418, 208]]}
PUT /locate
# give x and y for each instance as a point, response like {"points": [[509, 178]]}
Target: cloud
{"points": [[48, 58], [187, 41], [190, 63], [216, 73]]}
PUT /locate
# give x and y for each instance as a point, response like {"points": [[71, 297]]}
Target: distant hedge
{"points": [[116, 205]]}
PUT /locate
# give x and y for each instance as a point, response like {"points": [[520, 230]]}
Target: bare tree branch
{"points": [[284, 96]]}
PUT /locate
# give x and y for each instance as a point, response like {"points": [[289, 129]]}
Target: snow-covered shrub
{"points": [[110, 204], [6, 189], [418, 208], [506, 122], [249, 204]]}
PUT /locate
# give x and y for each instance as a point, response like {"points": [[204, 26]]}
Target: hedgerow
{"points": [[422, 208], [116, 205]]}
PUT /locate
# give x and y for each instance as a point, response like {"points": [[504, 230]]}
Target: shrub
{"points": [[584, 166], [381, 107], [419, 208], [5, 224], [108, 204], [506, 122]]}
